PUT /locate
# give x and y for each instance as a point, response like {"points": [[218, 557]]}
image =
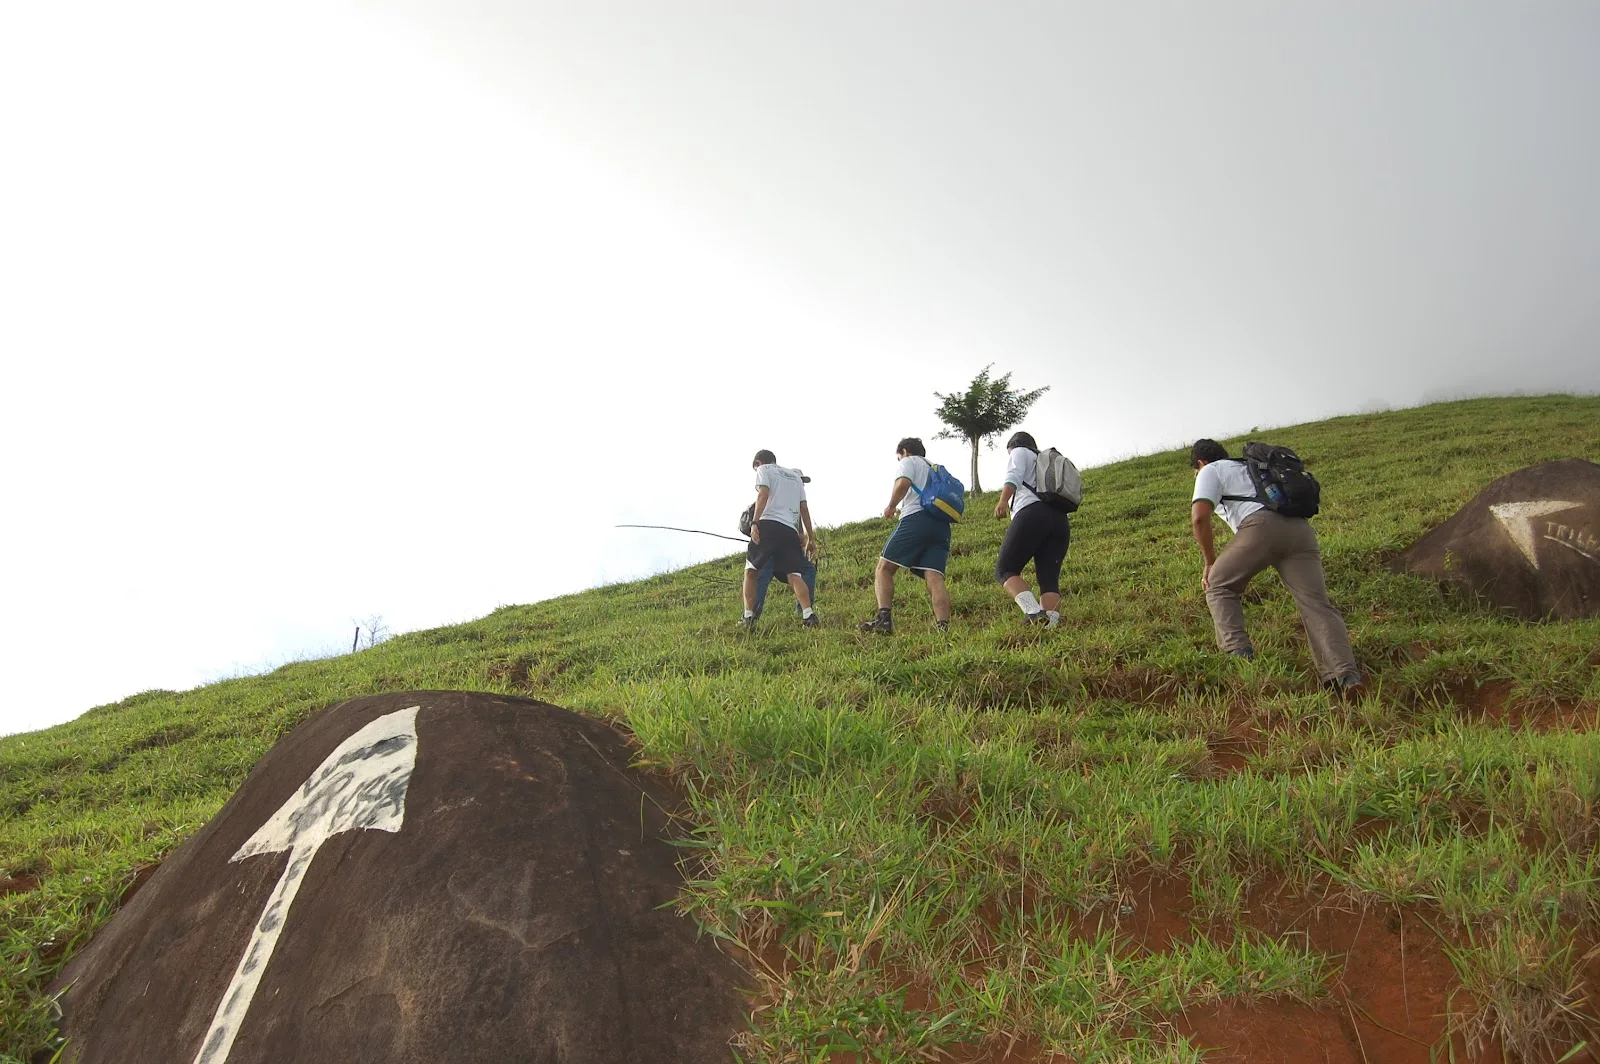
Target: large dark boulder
{"points": [[1529, 542], [421, 877]]}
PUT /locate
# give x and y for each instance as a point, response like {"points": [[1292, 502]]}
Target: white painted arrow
{"points": [[361, 785], [1517, 517]]}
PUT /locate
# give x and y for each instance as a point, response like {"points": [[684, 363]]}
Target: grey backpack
{"points": [[1057, 481]]}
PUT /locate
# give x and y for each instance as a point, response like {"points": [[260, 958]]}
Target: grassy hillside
{"points": [[1082, 840]]}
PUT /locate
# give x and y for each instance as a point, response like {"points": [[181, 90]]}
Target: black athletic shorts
{"points": [[1040, 534], [779, 544]]}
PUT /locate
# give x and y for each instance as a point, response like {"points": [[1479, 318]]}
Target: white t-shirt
{"points": [[915, 469], [786, 491], [1022, 469], [1227, 477]]}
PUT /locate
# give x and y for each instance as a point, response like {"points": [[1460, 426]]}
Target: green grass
{"points": [[873, 814]]}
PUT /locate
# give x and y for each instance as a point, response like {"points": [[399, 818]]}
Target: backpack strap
{"points": [[1253, 479]]}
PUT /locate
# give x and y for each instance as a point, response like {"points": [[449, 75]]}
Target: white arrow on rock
{"points": [[361, 785], [1517, 517]]}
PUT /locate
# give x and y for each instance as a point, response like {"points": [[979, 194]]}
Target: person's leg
{"points": [[940, 594], [1325, 628], [1016, 550], [883, 583], [809, 575], [750, 606], [762, 577], [883, 591], [797, 584], [1047, 564], [1249, 552]]}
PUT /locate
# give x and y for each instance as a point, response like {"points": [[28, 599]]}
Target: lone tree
{"points": [[986, 409]]}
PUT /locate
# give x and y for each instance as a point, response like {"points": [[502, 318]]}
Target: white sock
{"points": [[1029, 604], [806, 612], [1055, 617], [749, 614]]}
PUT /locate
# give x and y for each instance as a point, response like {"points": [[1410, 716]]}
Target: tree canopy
{"points": [[987, 408]]}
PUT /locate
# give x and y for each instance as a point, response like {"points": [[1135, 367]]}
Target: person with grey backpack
{"points": [[1040, 491]]}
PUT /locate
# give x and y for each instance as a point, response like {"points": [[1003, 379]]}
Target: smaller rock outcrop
{"points": [[1529, 543]]}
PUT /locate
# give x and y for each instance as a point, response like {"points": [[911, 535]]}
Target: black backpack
{"points": [[746, 518], [1282, 483]]}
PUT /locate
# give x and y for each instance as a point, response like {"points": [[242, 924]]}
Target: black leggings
{"points": [[1038, 533]]}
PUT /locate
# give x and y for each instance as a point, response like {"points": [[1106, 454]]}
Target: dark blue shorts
{"points": [[919, 542]]}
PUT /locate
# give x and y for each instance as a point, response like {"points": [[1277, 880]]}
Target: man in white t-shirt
{"points": [[1263, 537], [920, 542], [781, 512]]}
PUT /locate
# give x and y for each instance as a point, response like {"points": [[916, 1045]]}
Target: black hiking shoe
{"points": [[942, 627], [1350, 685], [1036, 617], [1243, 655], [811, 621], [746, 624], [883, 624]]}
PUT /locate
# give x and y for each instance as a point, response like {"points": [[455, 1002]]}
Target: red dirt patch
{"points": [[1393, 991], [1133, 685], [1493, 702], [1269, 1032], [18, 884], [1232, 752], [1149, 912], [1002, 1051]]}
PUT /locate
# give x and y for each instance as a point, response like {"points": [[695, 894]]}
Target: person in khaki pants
{"points": [[1222, 485]]}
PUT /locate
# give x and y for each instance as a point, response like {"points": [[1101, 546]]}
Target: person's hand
{"points": [[755, 533], [888, 512], [999, 509], [1205, 577], [813, 548]]}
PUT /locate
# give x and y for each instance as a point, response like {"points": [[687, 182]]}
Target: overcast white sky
{"points": [[310, 311]]}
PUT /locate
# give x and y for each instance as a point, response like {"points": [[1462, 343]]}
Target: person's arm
{"points": [[901, 486], [1200, 521], [762, 494], [1007, 492], [805, 520]]}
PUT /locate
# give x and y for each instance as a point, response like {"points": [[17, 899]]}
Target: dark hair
{"points": [[912, 445], [1023, 439], [1207, 451], [765, 458]]}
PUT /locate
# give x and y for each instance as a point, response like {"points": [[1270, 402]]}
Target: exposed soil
{"points": [[1232, 752], [1269, 1032], [1390, 997], [1147, 914], [1002, 1051], [1493, 702], [18, 884]]}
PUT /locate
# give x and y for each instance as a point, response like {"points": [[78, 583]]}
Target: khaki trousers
{"points": [[1289, 545]]}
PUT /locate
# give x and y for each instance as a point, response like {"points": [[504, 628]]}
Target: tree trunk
{"points": [[976, 487]]}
